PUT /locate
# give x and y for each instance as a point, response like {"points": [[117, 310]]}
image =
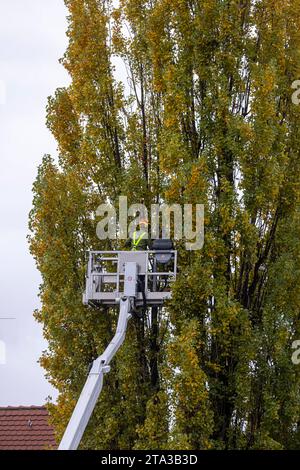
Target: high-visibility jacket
{"points": [[139, 243]]}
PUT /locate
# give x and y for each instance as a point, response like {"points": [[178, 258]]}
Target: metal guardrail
{"points": [[105, 275]]}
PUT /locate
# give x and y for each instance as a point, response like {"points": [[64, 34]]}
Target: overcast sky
{"points": [[32, 39]]}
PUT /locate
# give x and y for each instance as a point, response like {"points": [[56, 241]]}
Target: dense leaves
{"points": [[188, 102]]}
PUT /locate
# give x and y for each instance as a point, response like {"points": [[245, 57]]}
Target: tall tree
{"points": [[201, 112]]}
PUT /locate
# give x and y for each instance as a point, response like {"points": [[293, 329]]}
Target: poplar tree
{"points": [[179, 101]]}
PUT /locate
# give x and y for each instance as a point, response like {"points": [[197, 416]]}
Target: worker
{"points": [[139, 240]]}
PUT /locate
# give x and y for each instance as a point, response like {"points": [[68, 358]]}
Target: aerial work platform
{"points": [[106, 276], [130, 279]]}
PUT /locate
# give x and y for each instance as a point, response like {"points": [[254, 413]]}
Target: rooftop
{"points": [[25, 428]]}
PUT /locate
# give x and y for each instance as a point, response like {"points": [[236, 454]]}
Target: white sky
{"points": [[32, 39]]}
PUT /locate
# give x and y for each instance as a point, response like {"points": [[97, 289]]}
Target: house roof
{"points": [[25, 428]]}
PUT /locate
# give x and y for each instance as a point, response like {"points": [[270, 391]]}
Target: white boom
{"points": [[100, 366], [132, 268]]}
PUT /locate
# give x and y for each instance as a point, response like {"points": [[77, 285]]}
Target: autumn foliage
{"points": [[185, 101]]}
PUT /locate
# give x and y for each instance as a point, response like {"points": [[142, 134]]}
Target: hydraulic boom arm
{"points": [[100, 366], [117, 283], [93, 385]]}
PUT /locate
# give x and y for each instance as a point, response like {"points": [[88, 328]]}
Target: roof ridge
{"points": [[21, 407]]}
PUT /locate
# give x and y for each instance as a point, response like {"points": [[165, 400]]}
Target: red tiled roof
{"points": [[25, 428]]}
